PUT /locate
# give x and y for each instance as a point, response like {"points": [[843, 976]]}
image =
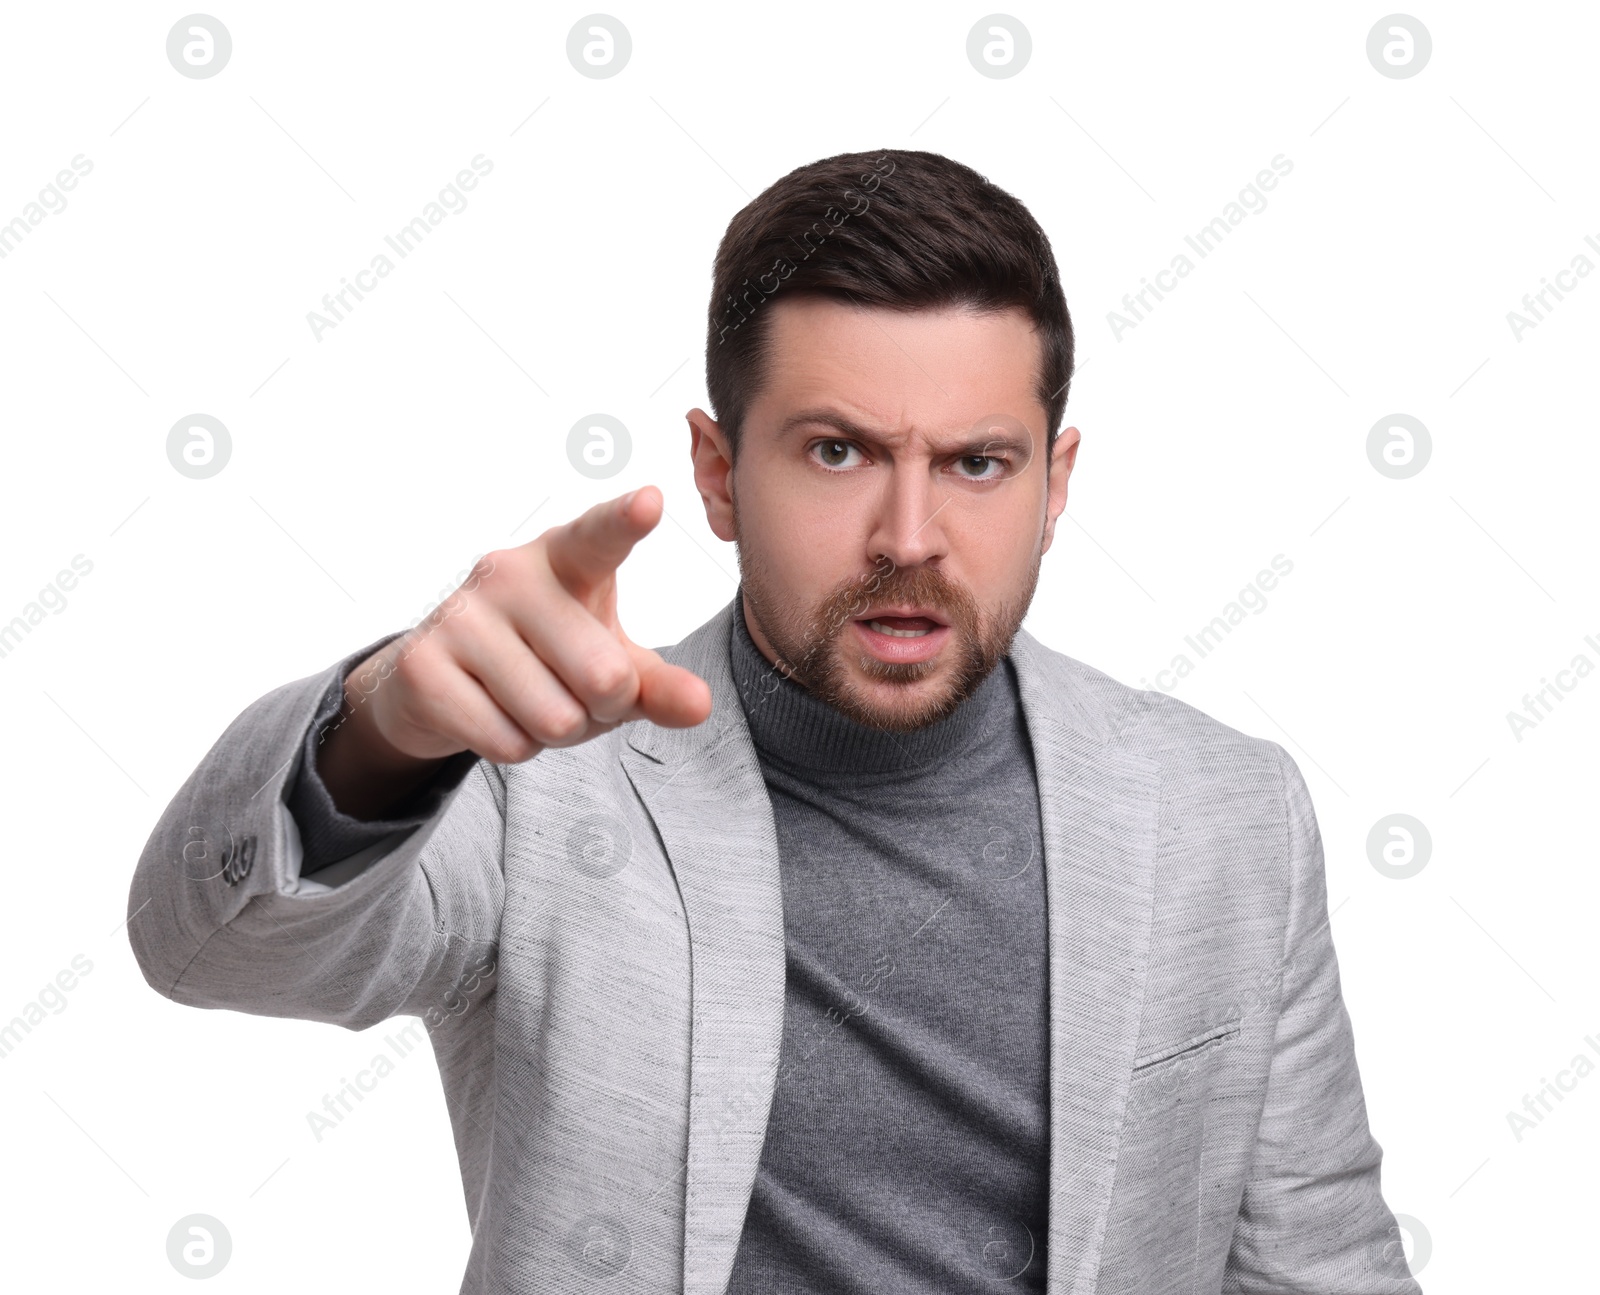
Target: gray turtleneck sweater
{"points": [[907, 1147]]}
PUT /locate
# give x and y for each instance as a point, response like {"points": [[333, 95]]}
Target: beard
{"points": [[816, 648]]}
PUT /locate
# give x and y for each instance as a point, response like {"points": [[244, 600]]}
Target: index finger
{"points": [[593, 545]]}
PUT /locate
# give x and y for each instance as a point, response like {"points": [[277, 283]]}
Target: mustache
{"points": [[920, 586]]}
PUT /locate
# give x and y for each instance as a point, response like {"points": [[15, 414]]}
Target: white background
{"points": [[371, 466]]}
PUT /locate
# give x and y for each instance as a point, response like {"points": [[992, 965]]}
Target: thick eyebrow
{"points": [[1001, 442], [827, 418]]}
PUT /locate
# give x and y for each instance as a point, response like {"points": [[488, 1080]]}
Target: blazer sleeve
{"points": [[219, 915], [1312, 1220]]}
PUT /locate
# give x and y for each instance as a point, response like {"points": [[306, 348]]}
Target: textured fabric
{"points": [[907, 1148], [593, 942]]}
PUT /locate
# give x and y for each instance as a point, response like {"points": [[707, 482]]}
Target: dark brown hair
{"points": [[900, 229]]}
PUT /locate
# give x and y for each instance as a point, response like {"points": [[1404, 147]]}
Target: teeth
{"points": [[899, 634]]}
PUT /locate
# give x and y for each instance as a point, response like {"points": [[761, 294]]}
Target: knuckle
{"points": [[562, 724], [609, 677], [416, 670], [495, 571]]}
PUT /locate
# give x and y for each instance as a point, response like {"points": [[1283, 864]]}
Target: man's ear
{"points": [[713, 472], [1062, 456]]}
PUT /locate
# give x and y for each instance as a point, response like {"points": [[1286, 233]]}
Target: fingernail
{"points": [[627, 499]]}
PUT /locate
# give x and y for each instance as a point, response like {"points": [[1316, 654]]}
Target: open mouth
{"points": [[903, 627], [909, 636]]}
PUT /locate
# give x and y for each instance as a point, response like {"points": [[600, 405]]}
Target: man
{"points": [[859, 942]]}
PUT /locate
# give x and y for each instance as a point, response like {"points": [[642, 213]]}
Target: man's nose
{"points": [[907, 528]]}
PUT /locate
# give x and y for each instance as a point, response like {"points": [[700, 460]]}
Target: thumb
{"points": [[669, 695]]}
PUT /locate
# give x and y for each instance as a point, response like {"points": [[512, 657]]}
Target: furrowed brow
{"points": [[828, 418], [1001, 441]]}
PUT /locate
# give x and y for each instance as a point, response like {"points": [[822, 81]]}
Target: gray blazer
{"points": [[594, 944]]}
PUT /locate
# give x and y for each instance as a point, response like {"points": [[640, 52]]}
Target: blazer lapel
{"points": [[1099, 803], [704, 790]]}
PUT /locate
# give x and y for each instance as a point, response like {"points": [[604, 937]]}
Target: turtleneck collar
{"points": [[796, 729]]}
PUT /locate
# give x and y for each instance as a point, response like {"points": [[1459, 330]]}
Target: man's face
{"points": [[890, 501]]}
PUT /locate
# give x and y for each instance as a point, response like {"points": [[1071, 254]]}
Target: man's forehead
{"points": [[808, 321], [896, 373]]}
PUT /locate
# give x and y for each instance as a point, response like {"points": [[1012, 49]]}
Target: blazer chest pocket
{"points": [[1186, 1048], [1176, 1076]]}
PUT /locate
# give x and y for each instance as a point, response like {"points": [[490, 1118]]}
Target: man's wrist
{"points": [[367, 776]]}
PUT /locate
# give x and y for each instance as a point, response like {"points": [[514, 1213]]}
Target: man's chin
{"points": [[898, 697]]}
